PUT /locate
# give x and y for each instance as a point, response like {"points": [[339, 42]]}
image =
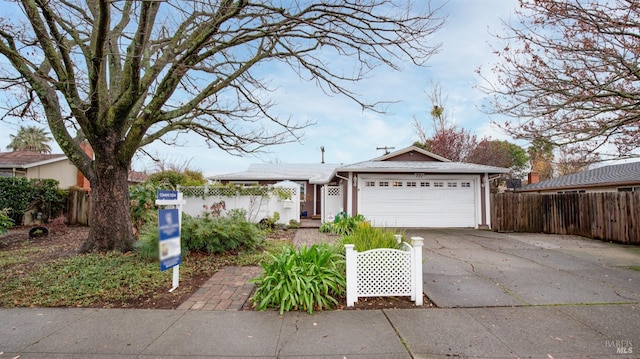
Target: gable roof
{"points": [[408, 150], [28, 159], [312, 172], [607, 176], [439, 164]]}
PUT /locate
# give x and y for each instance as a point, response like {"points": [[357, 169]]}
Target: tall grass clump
{"points": [[343, 224], [364, 237], [306, 278]]}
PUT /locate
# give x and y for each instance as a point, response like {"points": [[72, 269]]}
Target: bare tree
{"points": [[448, 140], [569, 72], [568, 163], [128, 73]]}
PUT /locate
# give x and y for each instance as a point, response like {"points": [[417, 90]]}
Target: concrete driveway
{"points": [[477, 268]]}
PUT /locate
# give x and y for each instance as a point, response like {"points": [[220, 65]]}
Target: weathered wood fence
{"points": [[78, 207], [609, 216]]}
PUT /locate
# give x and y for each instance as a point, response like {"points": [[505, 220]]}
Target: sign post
{"points": [[169, 225]]}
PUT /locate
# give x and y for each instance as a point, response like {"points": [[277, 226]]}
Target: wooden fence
{"points": [[609, 216], [78, 207]]}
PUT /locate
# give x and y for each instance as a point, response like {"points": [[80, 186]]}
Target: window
{"points": [[425, 184], [303, 192], [465, 184], [629, 189], [383, 184], [452, 184], [438, 184], [245, 183], [411, 184], [396, 184], [370, 184]]}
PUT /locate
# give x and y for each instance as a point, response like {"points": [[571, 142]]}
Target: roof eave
{"points": [[582, 186], [413, 170]]}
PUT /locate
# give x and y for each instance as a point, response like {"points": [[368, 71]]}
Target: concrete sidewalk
{"points": [[502, 319], [593, 331]]}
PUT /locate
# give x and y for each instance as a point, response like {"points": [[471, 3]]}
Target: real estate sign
{"points": [[169, 226]]}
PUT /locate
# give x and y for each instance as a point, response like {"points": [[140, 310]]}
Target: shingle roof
{"points": [[312, 172], [621, 174], [26, 159], [421, 166]]}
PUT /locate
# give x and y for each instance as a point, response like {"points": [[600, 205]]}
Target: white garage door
{"points": [[418, 202]]}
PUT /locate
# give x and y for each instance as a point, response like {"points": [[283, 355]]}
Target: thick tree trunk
{"points": [[110, 220]]}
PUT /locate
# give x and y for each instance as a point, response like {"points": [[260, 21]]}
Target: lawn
{"points": [[47, 272]]}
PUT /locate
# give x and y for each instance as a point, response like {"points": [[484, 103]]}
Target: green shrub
{"points": [[343, 224], [178, 177], [5, 221], [147, 245], [41, 195], [307, 278], [325, 227], [218, 235], [364, 237], [270, 222], [205, 234]]}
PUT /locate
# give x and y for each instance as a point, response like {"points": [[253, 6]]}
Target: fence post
{"points": [[351, 257], [416, 267]]}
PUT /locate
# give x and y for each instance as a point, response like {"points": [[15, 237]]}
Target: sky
{"points": [[347, 133]]}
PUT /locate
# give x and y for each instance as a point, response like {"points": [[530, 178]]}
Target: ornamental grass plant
{"points": [[365, 237], [306, 278]]}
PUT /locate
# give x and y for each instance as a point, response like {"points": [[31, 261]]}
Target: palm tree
{"points": [[30, 138]]}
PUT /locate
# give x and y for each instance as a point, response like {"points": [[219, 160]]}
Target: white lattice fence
{"points": [[385, 272], [259, 202]]}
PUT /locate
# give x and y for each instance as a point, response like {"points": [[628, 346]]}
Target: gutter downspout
{"points": [[487, 196]]}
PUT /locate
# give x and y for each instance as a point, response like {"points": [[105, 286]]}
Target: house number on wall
{"points": [[419, 175]]}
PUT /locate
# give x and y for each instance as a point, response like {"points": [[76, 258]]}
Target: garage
{"points": [[414, 188], [419, 200]]}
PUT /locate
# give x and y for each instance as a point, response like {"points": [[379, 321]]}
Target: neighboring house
{"points": [[407, 188], [623, 177], [136, 177], [34, 165]]}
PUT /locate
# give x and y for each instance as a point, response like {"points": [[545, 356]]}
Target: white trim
{"points": [[479, 185], [487, 201], [350, 195], [315, 200], [411, 149]]}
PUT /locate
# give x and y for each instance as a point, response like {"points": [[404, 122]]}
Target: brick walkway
{"points": [[229, 288]]}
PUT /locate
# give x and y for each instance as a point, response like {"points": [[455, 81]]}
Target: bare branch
{"points": [[569, 72]]}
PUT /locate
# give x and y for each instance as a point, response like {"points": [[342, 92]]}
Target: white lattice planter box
{"points": [[385, 272]]}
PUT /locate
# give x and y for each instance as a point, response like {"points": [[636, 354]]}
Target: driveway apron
{"points": [[477, 268]]}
